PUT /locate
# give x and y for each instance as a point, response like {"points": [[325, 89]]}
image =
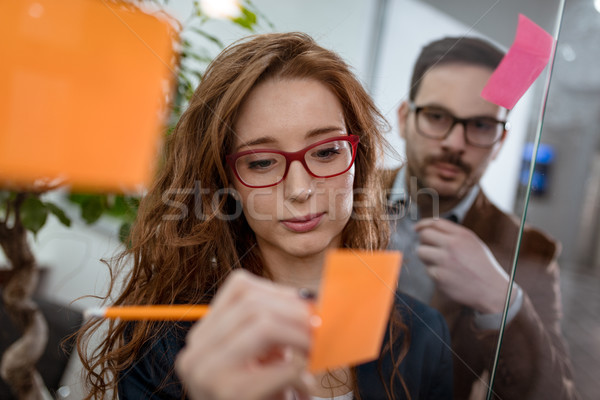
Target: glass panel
{"points": [[381, 39], [525, 368], [565, 202]]}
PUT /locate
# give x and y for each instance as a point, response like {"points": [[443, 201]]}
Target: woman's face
{"points": [[301, 216]]}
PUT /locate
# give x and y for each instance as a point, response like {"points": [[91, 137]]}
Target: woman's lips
{"points": [[303, 224]]}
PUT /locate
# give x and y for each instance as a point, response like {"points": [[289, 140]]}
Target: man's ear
{"points": [[403, 111]]}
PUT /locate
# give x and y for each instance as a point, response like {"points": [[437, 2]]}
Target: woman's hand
{"points": [[253, 344]]}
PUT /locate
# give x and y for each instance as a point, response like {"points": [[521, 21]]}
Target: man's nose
{"points": [[298, 183]]}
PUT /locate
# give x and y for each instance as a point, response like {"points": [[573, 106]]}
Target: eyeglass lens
{"points": [[265, 168], [436, 123]]}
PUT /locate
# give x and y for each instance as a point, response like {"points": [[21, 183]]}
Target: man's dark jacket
{"points": [[533, 364]]}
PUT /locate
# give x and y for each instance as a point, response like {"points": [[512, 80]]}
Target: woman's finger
{"points": [[253, 300], [273, 380], [281, 312], [240, 282], [261, 335]]}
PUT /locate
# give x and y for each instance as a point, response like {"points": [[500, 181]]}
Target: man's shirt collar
{"points": [[399, 193]]}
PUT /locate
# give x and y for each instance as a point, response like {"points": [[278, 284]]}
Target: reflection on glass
{"points": [[568, 209], [461, 264]]}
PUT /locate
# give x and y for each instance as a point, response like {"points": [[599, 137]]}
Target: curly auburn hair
{"points": [[184, 260]]}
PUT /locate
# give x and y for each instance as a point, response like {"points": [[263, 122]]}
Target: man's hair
{"points": [[454, 50]]}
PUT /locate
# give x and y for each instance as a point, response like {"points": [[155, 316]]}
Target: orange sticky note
{"points": [[83, 88], [355, 300]]}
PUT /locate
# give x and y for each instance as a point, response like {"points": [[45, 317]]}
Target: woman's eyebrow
{"points": [[257, 141], [311, 133], [327, 129]]}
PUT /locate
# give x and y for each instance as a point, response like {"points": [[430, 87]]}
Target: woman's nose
{"points": [[298, 183]]}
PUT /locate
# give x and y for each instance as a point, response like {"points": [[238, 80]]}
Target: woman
{"points": [[230, 197]]}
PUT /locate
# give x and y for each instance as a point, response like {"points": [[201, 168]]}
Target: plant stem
{"points": [[17, 367]]}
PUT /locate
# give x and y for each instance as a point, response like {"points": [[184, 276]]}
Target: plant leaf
{"points": [[4, 196], [124, 230], [252, 7], [58, 213], [33, 214], [92, 208], [246, 20], [78, 198], [124, 207]]}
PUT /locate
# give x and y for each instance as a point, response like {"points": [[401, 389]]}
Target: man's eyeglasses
{"points": [[265, 167], [436, 123]]}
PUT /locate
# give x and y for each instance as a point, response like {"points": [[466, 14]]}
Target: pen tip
{"points": [[307, 294], [96, 312]]}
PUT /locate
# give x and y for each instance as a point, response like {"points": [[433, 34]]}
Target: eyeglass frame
{"points": [[456, 120], [294, 156]]}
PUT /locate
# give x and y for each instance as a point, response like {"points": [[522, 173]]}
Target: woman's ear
{"points": [[402, 118]]}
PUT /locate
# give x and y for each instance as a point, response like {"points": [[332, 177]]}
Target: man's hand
{"points": [[461, 265]]}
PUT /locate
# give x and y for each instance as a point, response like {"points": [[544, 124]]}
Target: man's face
{"points": [[450, 166]]}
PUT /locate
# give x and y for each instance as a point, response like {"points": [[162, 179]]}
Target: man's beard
{"points": [[454, 159]]}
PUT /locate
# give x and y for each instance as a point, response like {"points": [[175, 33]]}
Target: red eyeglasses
{"points": [[265, 167]]}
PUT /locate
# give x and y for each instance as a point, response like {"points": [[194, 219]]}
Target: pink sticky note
{"points": [[522, 64]]}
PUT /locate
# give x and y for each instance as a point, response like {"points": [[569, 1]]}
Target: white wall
{"points": [[340, 25]]}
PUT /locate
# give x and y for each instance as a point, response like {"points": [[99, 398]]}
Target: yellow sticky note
{"points": [[355, 300], [83, 88]]}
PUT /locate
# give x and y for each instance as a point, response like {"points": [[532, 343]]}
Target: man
{"points": [[458, 247]]}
